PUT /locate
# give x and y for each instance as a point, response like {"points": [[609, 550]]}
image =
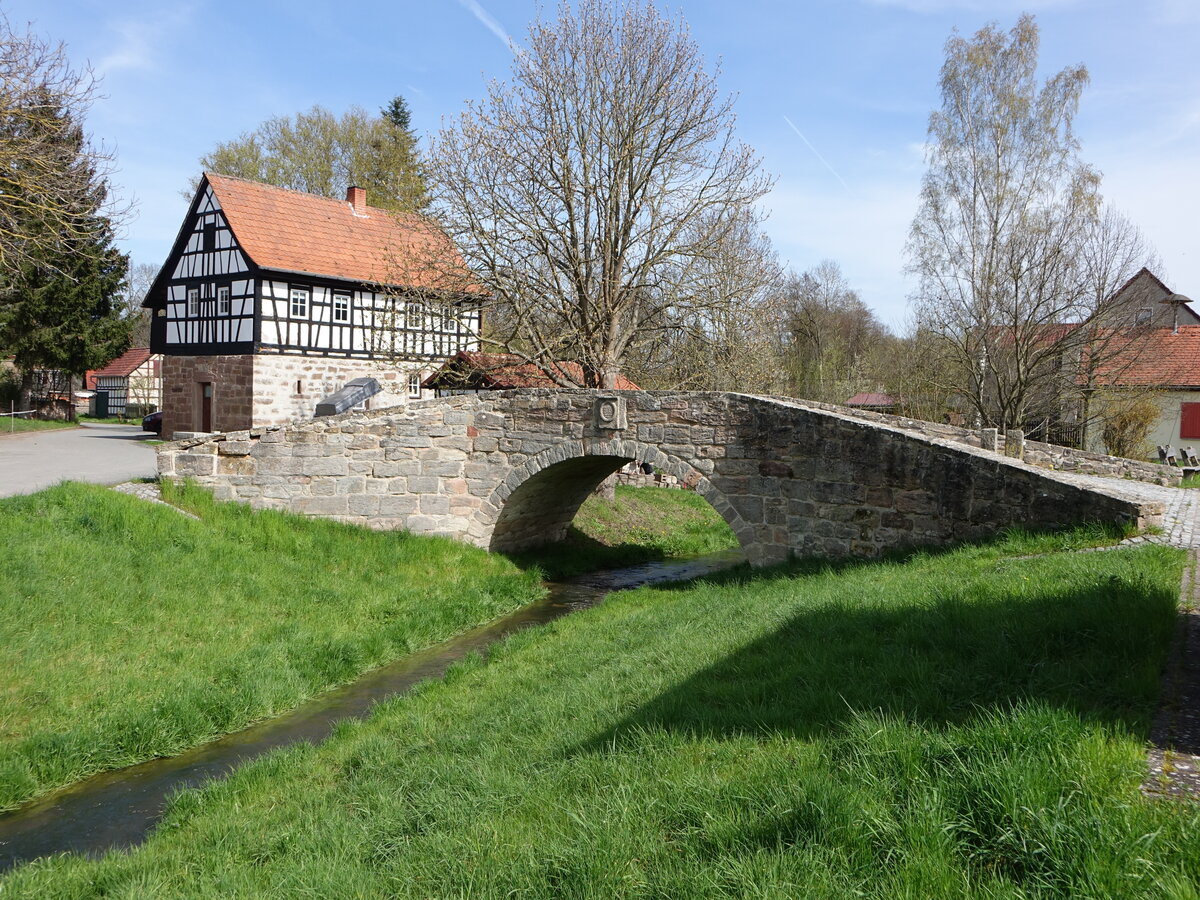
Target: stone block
{"points": [[321, 506], [194, 465], [325, 465]]}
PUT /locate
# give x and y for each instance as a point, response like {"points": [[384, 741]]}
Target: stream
{"points": [[118, 809]]}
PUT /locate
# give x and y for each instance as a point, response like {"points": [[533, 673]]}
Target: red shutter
{"points": [[1189, 420]]}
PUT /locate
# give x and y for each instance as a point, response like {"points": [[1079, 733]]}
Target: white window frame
{"points": [[414, 385], [298, 303], [223, 304], [341, 308], [193, 302]]}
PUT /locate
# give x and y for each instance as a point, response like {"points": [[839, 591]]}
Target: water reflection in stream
{"points": [[117, 809]]}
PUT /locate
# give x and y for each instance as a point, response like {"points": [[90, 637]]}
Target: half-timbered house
{"points": [[272, 299]]}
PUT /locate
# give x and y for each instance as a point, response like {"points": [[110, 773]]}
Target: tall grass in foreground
{"points": [[958, 724], [128, 631]]}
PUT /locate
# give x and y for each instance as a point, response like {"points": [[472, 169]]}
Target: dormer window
{"points": [[299, 304], [193, 302], [222, 301], [341, 307]]}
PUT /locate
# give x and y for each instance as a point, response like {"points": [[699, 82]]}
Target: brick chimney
{"points": [[357, 198]]}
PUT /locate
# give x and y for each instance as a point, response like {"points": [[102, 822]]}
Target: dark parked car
{"points": [[153, 422]]}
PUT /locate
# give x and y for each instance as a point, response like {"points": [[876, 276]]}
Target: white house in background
{"points": [[272, 300], [132, 379]]}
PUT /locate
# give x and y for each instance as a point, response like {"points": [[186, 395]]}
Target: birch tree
{"points": [[1015, 253], [593, 192]]}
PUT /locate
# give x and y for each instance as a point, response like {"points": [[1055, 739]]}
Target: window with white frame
{"points": [[193, 297], [414, 385], [299, 305], [341, 307], [222, 301]]}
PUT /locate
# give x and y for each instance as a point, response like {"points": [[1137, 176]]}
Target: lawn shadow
{"points": [[578, 554], [1095, 649]]}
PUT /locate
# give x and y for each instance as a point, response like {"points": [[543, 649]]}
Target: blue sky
{"points": [[835, 95]]}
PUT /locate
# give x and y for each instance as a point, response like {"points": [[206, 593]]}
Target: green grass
{"points": [[639, 525], [128, 631], [110, 420], [13, 425], [1190, 481], [968, 723]]}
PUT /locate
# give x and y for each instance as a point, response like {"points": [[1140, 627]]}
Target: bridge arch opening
{"points": [[537, 503]]}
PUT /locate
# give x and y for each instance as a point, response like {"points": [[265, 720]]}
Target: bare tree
{"points": [[138, 281], [732, 343], [593, 193], [1015, 255], [48, 176], [831, 335]]}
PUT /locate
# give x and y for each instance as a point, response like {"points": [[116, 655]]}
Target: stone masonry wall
{"points": [[1037, 453], [277, 401], [509, 469], [231, 377]]}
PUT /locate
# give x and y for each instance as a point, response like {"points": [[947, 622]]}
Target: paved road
{"points": [[104, 454]]}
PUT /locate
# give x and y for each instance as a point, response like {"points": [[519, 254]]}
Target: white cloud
{"points": [[863, 233], [139, 41], [487, 20]]}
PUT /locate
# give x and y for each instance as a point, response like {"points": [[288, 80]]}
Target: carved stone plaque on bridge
{"points": [[610, 413]]}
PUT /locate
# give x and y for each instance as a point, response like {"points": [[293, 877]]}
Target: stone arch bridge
{"points": [[508, 470]]}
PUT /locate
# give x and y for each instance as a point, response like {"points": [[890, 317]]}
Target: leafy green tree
{"points": [[320, 153]]}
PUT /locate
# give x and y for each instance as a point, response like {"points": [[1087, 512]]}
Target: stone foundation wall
{"points": [[232, 403], [288, 387], [509, 469]]}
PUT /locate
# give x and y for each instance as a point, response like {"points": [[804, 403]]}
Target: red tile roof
{"points": [[121, 367], [868, 399], [1159, 357], [295, 232], [498, 371]]}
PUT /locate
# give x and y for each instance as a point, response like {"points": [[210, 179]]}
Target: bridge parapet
{"points": [[508, 470]]}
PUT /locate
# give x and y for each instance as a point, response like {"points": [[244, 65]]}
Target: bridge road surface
{"points": [[102, 454]]}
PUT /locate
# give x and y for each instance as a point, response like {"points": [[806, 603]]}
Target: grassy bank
{"points": [[639, 525], [13, 425], [129, 631], [958, 724]]}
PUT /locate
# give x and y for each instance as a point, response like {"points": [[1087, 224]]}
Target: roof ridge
{"points": [[307, 194]]}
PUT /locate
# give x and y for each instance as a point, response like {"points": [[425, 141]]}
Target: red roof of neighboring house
{"points": [[121, 367], [868, 399], [497, 371], [1159, 357], [295, 232]]}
